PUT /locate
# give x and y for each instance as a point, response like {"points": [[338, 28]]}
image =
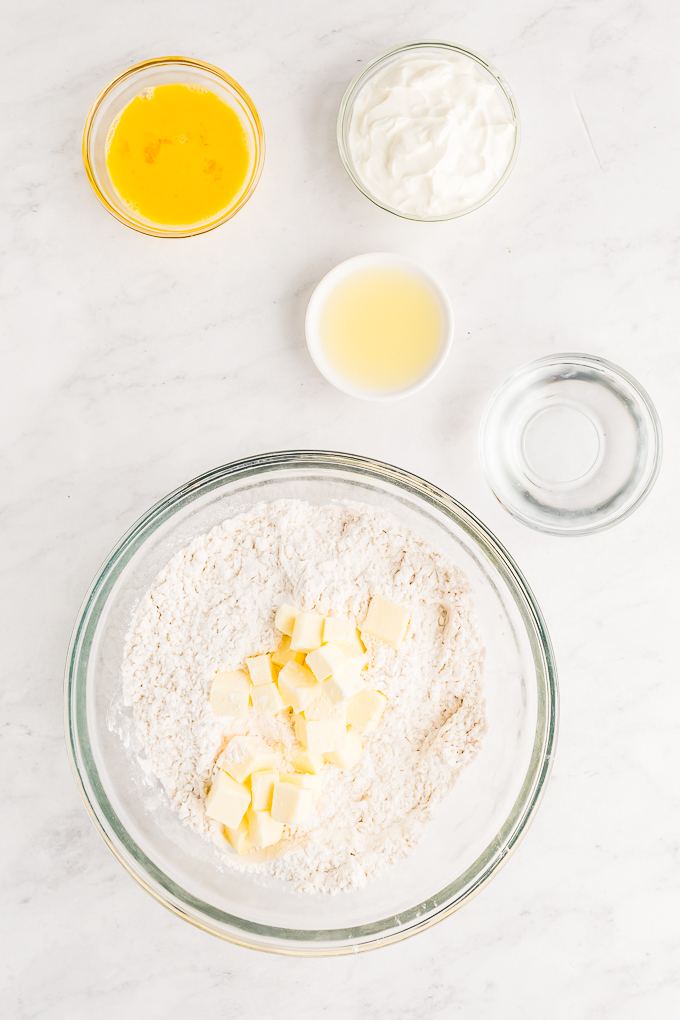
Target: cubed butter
{"points": [[261, 670], [267, 699], [325, 661], [344, 683], [365, 710], [348, 753], [386, 621], [244, 755], [263, 830], [239, 837], [285, 618], [319, 736], [307, 761], [303, 779], [322, 708], [227, 800], [291, 804], [262, 788], [285, 654], [339, 632], [307, 632], [230, 693], [298, 686]]}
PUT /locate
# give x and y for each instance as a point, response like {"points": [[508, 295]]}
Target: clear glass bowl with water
{"points": [[570, 444]]}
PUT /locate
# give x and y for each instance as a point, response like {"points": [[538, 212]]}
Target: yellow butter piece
{"points": [[322, 708], [339, 632], [261, 789], [298, 686], [230, 693], [261, 670], [365, 710], [263, 830], [239, 837], [285, 618], [307, 632], [305, 780], [285, 654], [307, 761], [348, 753], [320, 735], [291, 804], [267, 699], [227, 800], [244, 755], [344, 684], [325, 661], [386, 621]]}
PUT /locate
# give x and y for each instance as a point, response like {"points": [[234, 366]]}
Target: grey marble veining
{"points": [[131, 364]]}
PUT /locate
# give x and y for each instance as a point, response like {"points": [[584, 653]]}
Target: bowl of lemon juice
{"points": [[379, 326]]}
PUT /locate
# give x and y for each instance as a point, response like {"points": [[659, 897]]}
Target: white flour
{"points": [[214, 604]]}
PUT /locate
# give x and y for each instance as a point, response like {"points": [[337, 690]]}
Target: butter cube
{"points": [[262, 788], [386, 621], [325, 661], [303, 779], [244, 755], [307, 761], [338, 632], [261, 670], [344, 683], [348, 753], [239, 838], [322, 708], [291, 804], [285, 618], [307, 632], [320, 735], [365, 709], [285, 654], [230, 693], [298, 686], [267, 699], [227, 800], [263, 830]]}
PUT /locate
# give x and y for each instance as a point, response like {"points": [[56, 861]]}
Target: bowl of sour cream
{"points": [[429, 131]]}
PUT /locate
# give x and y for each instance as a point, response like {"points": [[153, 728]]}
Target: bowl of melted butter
{"points": [[173, 147]]}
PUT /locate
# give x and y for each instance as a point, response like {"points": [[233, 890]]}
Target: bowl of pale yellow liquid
{"points": [[379, 326], [173, 147]]}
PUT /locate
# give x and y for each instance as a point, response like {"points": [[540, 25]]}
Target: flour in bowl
{"points": [[214, 605]]}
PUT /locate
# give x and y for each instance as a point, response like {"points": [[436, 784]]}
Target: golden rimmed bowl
{"points": [[111, 102]]}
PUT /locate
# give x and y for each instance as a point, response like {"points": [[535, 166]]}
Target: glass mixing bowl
{"points": [[111, 102], [477, 826]]}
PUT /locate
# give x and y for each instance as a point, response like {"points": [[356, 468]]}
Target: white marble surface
{"points": [[131, 364]]}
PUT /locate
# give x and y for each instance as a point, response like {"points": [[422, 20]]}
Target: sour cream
{"points": [[431, 135]]}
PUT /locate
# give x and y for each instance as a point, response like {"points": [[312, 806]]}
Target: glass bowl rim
{"points": [[160, 231], [358, 82], [269, 938], [656, 439]]}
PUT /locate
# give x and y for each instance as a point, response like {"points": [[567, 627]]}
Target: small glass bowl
{"points": [[423, 47], [112, 100], [570, 444]]}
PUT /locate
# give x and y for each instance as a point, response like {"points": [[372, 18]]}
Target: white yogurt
{"points": [[431, 135]]}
